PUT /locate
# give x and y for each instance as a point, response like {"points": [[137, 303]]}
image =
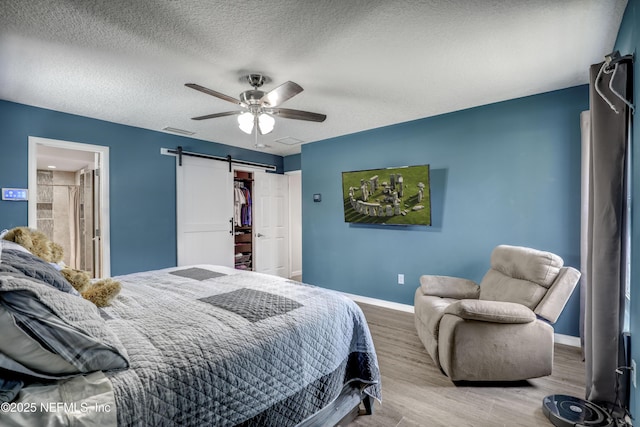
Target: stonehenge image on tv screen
{"points": [[398, 196]]}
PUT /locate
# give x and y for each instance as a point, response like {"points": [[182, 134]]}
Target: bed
{"points": [[197, 345]]}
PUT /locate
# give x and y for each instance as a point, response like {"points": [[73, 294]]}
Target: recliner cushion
{"points": [[497, 287], [527, 264], [491, 311], [520, 275], [429, 310], [449, 287]]}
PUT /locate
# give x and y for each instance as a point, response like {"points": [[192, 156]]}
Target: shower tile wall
{"points": [[45, 202], [53, 207]]}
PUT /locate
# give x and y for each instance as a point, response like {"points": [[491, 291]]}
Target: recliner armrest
{"points": [[449, 287], [491, 311]]}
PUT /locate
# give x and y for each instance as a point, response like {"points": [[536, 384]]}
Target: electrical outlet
{"points": [[633, 373], [400, 279]]}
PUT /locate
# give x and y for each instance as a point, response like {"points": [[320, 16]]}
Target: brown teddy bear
{"points": [[101, 292]]}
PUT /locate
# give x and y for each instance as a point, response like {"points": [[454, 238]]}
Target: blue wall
{"points": [[142, 185], [292, 162], [506, 173], [628, 42]]}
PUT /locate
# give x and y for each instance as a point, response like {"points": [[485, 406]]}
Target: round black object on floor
{"points": [[569, 411]]}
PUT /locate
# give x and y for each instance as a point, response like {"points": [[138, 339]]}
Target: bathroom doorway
{"points": [[67, 187]]}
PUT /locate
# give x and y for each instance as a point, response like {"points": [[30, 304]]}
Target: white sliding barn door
{"points": [[271, 247], [204, 209]]}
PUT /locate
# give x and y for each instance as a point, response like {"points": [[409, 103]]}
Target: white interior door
{"points": [[271, 239], [204, 212]]}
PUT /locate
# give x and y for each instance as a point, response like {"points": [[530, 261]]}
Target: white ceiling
{"points": [[63, 159], [363, 63]]}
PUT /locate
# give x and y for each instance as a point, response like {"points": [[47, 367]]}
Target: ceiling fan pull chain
{"points": [[255, 127]]}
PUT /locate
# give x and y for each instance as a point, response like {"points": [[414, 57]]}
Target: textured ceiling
{"points": [[363, 63]]}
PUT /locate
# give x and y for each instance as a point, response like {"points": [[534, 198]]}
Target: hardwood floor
{"points": [[416, 393]]}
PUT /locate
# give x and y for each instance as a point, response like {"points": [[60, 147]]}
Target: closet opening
{"points": [[243, 220]]}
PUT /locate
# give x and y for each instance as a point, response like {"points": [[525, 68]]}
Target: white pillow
{"points": [[10, 245], [7, 244]]}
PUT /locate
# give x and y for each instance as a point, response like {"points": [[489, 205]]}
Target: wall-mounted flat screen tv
{"points": [[399, 196]]}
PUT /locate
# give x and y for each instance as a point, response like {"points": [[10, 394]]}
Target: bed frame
{"points": [[344, 409]]}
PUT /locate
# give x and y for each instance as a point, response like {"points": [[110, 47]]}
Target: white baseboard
{"points": [[381, 303], [567, 340], [558, 338]]}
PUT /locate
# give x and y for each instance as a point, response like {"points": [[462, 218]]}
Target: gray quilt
{"points": [[212, 346]]}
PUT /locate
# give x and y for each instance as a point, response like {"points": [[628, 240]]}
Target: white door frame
{"points": [[298, 199], [103, 153]]}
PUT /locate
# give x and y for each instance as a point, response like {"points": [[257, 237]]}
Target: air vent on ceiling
{"points": [[289, 141], [178, 131]]}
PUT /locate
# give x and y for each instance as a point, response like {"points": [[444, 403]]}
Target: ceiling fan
{"points": [[260, 107]]}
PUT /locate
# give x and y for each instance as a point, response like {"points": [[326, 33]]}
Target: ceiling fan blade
{"points": [[212, 93], [282, 93], [298, 114], [216, 115]]}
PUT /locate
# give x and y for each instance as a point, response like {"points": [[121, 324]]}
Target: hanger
{"points": [[610, 65]]}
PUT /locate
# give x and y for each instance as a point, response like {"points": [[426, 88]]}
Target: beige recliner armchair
{"points": [[500, 330]]}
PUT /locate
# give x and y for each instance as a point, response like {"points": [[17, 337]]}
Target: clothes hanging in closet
{"points": [[241, 206], [246, 208]]}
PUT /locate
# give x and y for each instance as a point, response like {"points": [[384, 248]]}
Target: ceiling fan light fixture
{"points": [[266, 123], [260, 105], [245, 121]]}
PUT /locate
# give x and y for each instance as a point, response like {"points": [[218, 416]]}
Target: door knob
{"points": [[259, 235]]}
